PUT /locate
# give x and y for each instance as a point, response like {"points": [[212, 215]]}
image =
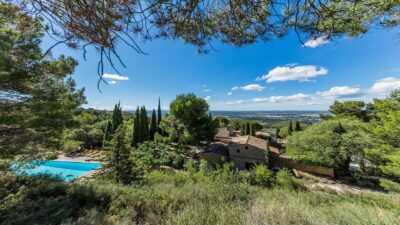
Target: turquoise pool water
{"points": [[65, 170]]}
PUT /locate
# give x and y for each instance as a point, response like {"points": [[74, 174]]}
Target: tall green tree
{"points": [[290, 128], [193, 113], [252, 131], [351, 109], [385, 153], [247, 129], [136, 128], [331, 143], [144, 125], [159, 116], [242, 129], [297, 126], [117, 118], [119, 156], [107, 132], [153, 125], [38, 98]]}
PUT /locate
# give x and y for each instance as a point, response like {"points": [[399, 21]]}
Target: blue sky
{"points": [[277, 75]]}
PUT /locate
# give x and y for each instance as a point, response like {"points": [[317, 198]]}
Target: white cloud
{"points": [[229, 93], [129, 107], [207, 90], [317, 41], [112, 82], [235, 88], [341, 92], [114, 77], [235, 102], [386, 85], [252, 87], [274, 99], [208, 98], [300, 73]]}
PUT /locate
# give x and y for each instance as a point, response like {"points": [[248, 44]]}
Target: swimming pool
{"points": [[65, 170]]}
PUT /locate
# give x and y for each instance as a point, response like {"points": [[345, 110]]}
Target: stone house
{"points": [[247, 151]]}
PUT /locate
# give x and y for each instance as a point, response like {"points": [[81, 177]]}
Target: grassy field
{"points": [[184, 198]]}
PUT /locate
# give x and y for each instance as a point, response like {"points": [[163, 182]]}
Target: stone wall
{"points": [[241, 154], [292, 164]]}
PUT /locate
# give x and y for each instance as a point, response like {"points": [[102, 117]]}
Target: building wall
{"points": [[240, 155], [292, 164], [212, 157]]}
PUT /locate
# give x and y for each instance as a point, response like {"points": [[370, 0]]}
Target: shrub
{"points": [[72, 145], [390, 185], [150, 154], [191, 166], [204, 168], [285, 179], [262, 175]]}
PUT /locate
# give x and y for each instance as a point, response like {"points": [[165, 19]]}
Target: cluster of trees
{"points": [[189, 123], [297, 127], [366, 134], [250, 128]]}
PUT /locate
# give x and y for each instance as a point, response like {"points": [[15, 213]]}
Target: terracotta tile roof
{"points": [[253, 141], [274, 150], [257, 142], [223, 133], [250, 140]]}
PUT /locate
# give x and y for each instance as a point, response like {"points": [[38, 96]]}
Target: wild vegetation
{"points": [[187, 197]]}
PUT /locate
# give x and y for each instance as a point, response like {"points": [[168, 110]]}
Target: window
{"points": [[246, 147], [238, 150]]}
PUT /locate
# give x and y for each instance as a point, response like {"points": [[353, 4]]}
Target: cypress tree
{"points": [[107, 133], [252, 131], [144, 125], [297, 126], [117, 118], [159, 112], [153, 125], [290, 128], [247, 130], [119, 160], [136, 128], [242, 129]]}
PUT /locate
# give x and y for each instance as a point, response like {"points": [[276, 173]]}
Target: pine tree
{"points": [[136, 128], [297, 126], [153, 125], [144, 125], [117, 118], [107, 132], [119, 158], [290, 128], [252, 131], [247, 129]]}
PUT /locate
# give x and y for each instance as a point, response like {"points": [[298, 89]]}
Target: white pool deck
{"points": [[82, 158]]}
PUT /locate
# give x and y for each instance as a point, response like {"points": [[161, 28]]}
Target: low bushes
{"points": [[222, 197]]}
